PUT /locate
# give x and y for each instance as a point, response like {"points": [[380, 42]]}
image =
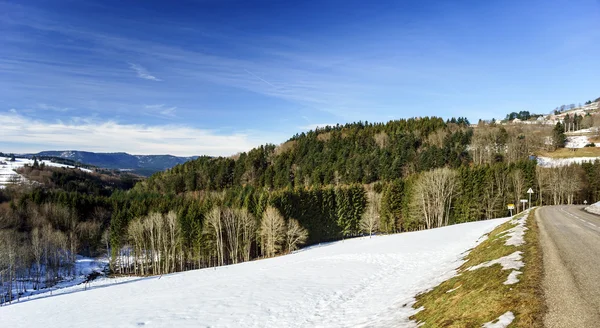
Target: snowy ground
{"points": [[577, 142], [8, 174], [594, 208], [557, 162], [84, 266], [363, 282]]}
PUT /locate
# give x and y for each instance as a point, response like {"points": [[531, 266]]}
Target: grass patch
{"points": [[480, 296], [577, 152]]}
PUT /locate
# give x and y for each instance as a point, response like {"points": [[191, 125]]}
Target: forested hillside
{"points": [[354, 153], [332, 183]]}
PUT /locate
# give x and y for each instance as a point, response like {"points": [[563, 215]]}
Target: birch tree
{"points": [[272, 231], [369, 222], [37, 250], [231, 225], [433, 195], [248, 232], [214, 228], [296, 235]]}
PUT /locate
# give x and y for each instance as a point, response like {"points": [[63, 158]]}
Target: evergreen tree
{"points": [[559, 139]]}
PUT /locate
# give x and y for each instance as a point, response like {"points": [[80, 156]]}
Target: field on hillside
{"points": [[8, 174], [362, 282], [577, 152]]}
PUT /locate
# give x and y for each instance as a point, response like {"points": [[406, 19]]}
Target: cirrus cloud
{"points": [[142, 72]]}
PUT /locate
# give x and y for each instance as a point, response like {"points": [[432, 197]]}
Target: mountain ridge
{"points": [[140, 164]]}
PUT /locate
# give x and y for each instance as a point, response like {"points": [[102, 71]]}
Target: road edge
{"points": [[478, 297], [560, 289]]}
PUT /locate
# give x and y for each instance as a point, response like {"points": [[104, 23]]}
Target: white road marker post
{"points": [[523, 201]]}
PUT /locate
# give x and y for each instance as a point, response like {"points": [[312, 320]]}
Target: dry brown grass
{"points": [[568, 153], [594, 139], [481, 295]]}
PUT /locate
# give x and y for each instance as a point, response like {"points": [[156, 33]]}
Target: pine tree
{"points": [[559, 139]]}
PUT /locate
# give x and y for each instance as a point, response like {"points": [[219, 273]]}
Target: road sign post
{"points": [[530, 191], [510, 207], [523, 201]]}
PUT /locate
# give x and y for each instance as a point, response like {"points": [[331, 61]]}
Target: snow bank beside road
{"points": [[353, 283], [594, 208]]}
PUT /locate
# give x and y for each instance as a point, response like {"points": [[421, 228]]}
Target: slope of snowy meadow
{"points": [[361, 282], [558, 162], [8, 169], [578, 142]]}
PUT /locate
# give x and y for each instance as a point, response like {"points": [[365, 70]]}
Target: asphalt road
{"points": [[570, 239]]}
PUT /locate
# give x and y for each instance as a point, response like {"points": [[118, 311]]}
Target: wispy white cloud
{"points": [[155, 106], [395, 71], [336, 83], [162, 109], [142, 72], [168, 111], [24, 134], [260, 78], [53, 108]]}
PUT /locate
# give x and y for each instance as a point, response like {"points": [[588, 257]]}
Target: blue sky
{"points": [[219, 77]]}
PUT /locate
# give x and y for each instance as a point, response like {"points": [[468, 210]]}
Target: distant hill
{"points": [[141, 164]]}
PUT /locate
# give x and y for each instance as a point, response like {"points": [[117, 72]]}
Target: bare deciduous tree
{"points": [[381, 139], [433, 195], [231, 224], [369, 222], [296, 235], [272, 231], [213, 227], [37, 250], [516, 178], [248, 232]]}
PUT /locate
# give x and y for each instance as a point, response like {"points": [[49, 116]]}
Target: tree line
{"points": [[325, 185]]}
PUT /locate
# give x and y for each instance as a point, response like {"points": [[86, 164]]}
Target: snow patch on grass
{"points": [[453, 289], [485, 288], [502, 321], [513, 277], [516, 237], [512, 261], [516, 234]]}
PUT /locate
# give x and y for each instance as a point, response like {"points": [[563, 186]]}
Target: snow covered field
{"points": [[577, 142], [557, 162], [8, 174], [84, 266], [362, 282]]}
